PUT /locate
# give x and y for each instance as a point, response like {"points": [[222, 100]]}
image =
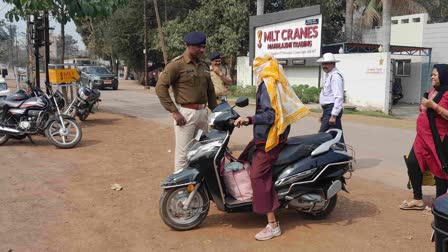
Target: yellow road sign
{"points": [[59, 76]]}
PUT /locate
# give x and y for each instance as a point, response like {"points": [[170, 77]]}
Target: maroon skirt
{"points": [[264, 199]]}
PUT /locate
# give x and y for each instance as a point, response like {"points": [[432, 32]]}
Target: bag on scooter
{"points": [[237, 180]]}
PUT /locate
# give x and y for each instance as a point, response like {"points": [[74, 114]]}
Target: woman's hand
{"points": [[429, 103], [241, 121]]}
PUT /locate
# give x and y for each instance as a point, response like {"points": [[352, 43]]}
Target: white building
{"points": [[368, 76]]}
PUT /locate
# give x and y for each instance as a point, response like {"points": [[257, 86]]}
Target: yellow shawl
{"points": [[288, 107]]}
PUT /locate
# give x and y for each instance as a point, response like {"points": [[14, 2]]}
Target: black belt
{"points": [[329, 105]]}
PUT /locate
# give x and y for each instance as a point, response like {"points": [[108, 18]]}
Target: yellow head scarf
{"points": [[288, 107]]}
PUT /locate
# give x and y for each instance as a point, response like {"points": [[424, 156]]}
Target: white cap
{"points": [[327, 58]]}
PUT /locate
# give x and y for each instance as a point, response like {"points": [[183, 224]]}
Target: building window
{"points": [[403, 68], [405, 21], [416, 20], [394, 22]]}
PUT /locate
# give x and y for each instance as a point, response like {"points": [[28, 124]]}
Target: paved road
{"points": [[379, 143]]}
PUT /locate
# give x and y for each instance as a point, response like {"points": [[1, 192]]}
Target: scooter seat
{"points": [[301, 146]]}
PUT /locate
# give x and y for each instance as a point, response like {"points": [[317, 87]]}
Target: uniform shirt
{"points": [[191, 84], [333, 91], [218, 83]]}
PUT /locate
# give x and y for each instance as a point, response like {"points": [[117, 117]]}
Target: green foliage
{"points": [[224, 21], [63, 10], [248, 91], [307, 94], [4, 38], [437, 9]]}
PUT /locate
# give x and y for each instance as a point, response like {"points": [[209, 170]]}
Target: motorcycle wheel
{"points": [[64, 139], [172, 213], [83, 117], [324, 212], [3, 139]]}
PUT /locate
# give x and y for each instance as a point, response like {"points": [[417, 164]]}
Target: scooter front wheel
{"points": [[172, 212], [3, 138], [324, 212]]}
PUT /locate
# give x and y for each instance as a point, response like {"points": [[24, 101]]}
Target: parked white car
{"points": [[4, 90]]}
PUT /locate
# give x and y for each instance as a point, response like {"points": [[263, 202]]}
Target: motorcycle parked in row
{"points": [[308, 174], [23, 115], [85, 103]]}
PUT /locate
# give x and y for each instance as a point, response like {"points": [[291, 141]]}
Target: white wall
{"points": [[408, 34], [243, 71], [367, 79], [402, 34], [435, 36], [298, 75]]}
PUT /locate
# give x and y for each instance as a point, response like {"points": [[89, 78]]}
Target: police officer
{"points": [[189, 77], [220, 77]]}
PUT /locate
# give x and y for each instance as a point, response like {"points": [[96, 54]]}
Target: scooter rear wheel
{"points": [[171, 208]]}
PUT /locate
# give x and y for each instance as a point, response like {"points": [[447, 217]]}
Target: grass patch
{"points": [[364, 113]]}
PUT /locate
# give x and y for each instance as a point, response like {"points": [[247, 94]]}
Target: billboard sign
{"points": [[299, 38]]}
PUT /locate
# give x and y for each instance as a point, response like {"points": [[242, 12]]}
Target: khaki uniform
{"points": [[192, 90], [220, 88]]}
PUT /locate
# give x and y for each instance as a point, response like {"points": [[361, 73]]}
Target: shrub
{"points": [[248, 91], [306, 93]]}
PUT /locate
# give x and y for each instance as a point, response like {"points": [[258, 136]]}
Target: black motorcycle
{"points": [[23, 115], [85, 103], [307, 175]]}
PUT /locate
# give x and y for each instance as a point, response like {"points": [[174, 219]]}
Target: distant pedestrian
{"points": [[332, 94], [189, 77]]}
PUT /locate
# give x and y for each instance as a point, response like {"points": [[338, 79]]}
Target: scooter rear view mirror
{"points": [[242, 102]]}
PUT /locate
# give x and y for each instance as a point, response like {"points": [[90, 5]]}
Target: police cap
{"points": [[215, 55], [195, 38]]}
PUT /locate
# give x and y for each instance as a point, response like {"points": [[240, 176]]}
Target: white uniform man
{"points": [[332, 94]]}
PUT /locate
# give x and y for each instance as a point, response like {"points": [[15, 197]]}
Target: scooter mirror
{"points": [[242, 102]]}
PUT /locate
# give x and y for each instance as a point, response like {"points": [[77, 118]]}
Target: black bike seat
{"points": [[301, 146]]}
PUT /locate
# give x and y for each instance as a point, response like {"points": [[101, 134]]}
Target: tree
{"points": [[437, 9], [4, 45], [69, 45], [225, 23], [349, 9], [63, 10]]}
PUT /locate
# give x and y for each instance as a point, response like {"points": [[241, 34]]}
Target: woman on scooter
{"points": [[431, 143], [271, 121]]}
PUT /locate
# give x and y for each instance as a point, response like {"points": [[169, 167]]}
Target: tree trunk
{"points": [[62, 44], [387, 7], [349, 9], [159, 26], [260, 7]]}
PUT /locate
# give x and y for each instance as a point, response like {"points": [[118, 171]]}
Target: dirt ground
{"points": [[61, 200]]}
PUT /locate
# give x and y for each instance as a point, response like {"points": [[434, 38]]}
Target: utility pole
{"points": [[47, 45], [145, 78], [260, 7], [162, 41], [38, 37]]}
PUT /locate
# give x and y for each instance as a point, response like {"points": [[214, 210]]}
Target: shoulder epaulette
{"points": [[177, 58]]}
